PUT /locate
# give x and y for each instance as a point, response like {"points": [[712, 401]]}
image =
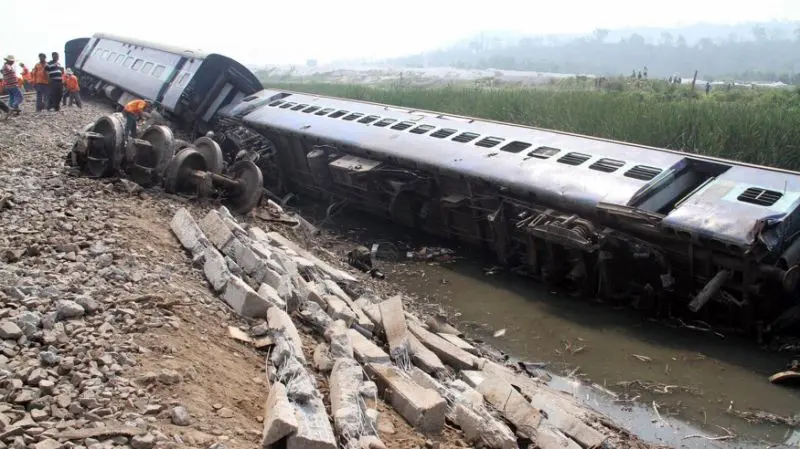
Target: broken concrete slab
{"points": [[314, 430], [365, 350], [394, 327], [459, 342], [469, 394], [250, 262], [560, 419], [216, 231], [549, 438], [244, 300], [514, 407], [446, 351], [483, 430], [344, 384], [336, 274], [216, 269], [423, 357], [339, 310], [188, 232], [270, 294], [279, 418], [341, 347], [279, 320], [422, 407], [438, 324]]}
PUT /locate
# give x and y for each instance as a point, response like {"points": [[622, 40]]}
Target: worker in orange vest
{"points": [[41, 82], [134, 111], [73, 89], [25, 79]]}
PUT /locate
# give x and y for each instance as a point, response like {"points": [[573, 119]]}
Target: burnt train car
{"points": [[600, 217], [190, 85]]}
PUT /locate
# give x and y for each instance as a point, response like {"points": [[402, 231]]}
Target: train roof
{"points": [[196, 54], [562, 168]]}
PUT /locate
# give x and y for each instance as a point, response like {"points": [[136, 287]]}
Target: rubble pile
{"points": [[369, 348]]}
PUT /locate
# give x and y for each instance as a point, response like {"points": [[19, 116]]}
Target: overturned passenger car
{"points": [[604, 218]]}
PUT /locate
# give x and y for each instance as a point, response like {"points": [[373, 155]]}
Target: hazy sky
{"points": [[292, 31]]}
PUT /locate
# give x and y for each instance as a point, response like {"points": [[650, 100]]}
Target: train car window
{"points": [[338, 114], [158, 71], [761, 197], [148, 67], [403, 125], [643, 172], [369, 119], [137, 64], [288, 105], [105, 54], [299, 106], [465, 137], [112, 56], [97, 52], [353, 116], [325, 111], [543, 152], [128, 62], [310, 110], [120, 59], [422, 129], [489, 142], [273, 104], [183, 79], [607, 165], [573, 158], [515, 147], [444, 132], [385, 122]]}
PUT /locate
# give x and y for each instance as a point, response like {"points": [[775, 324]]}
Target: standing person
{"points": [[56, 74], [135, 110], [41, 83], [26, 77], [73, 90], [11, 82]]}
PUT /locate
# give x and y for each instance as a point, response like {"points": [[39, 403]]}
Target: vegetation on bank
{"points": [[759, 126]]}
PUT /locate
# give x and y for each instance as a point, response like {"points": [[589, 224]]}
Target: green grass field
{"points": [[760, 126]]}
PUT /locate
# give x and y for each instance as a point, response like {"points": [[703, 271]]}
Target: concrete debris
{"points": [[244, 301], [314, 431], [365, 350], [280, 321], [446, 351], [394, 327], [279, 417], [422, 407], [514, 407], [459, 343]]}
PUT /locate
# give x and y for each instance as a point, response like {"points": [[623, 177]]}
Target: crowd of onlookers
{"points": [[53, 84]]}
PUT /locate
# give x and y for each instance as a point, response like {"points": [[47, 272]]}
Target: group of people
{"points": [[54, 84]]}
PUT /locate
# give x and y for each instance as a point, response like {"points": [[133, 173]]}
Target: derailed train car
{"points": [[190, 85], [603, 218]]}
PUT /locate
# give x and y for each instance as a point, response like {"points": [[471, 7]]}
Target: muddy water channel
{"points": [[663, 381]]}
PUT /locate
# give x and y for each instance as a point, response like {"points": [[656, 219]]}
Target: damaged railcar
{"points": [[601, 217], [191, 86]]}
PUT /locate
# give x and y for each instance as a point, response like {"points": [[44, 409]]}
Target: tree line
{"points": [[763, 55]]}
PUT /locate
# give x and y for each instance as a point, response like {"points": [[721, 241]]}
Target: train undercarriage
{"points": [[619, 254]]}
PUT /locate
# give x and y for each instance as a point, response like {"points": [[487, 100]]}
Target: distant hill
{"points": [[753, 51]]}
